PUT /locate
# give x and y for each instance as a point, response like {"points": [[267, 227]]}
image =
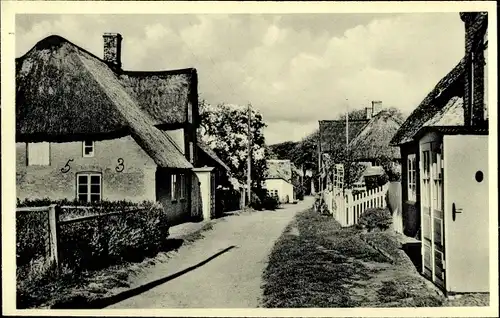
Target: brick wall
{"points": [[475, 29], [135, 183]]}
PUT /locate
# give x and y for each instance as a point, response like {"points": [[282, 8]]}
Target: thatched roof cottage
{"points": [[373, 140], [278, 179], [88, 130], [444, 148]]}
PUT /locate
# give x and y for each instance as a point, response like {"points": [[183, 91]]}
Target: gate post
{"points": [[54, 210]]}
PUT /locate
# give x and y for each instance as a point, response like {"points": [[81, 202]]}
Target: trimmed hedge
{"points": [[376, 218], [139, 230]]}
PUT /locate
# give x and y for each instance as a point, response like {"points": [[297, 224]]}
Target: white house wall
{"points": [[284, 188], [134, 180]]}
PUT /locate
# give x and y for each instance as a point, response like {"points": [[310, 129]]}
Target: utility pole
{"points": [[249, 159], [347, 141]]}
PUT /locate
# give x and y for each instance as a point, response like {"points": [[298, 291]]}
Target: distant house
{"points": [[333, 139], [444, 147], [278, 180], [373, 141], [88, 130]]}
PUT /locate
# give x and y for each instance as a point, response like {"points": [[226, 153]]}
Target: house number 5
{"points": [[66, 167], [120, 166]]}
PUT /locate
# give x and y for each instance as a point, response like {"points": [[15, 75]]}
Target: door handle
{"points": [[455, 211]]}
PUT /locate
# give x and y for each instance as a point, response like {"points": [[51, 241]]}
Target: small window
{"points": [[173, 187], [412, 176], [88, 187], [88, 148], [182, 186], [38, 154], [191, 152]]}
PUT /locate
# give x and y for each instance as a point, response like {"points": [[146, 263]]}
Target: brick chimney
{"points": [[376, 107], [368, 112], [475, 104], [113, 49]]}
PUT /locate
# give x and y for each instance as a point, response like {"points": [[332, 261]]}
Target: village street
{"points": [[231, 279]]}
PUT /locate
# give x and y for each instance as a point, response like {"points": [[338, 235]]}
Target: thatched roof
{"points": [[210, 153], [57, 97], [448, 87], [164, 95], [64, 93], [279, 169], [373, 140], [332, 133]]}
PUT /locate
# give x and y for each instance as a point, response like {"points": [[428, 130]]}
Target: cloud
{"points": [[296, 69]]}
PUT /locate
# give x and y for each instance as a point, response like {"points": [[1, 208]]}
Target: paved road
{"points": [[233, 256]]}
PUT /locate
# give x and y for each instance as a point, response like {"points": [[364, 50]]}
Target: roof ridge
{"points": [[55, 40]]}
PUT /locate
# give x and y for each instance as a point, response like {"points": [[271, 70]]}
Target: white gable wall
{"points": [[285, 189]]}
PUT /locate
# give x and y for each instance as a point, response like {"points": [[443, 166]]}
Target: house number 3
{"points": [[66, 167], [120, 166]]}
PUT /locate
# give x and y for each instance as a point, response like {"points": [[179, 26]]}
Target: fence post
{"points": [[53, 234]]}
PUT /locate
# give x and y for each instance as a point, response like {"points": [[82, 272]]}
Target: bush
{"points": [[114, 238], [376, 218], [270, 203], [94, 242], [262, 200]]}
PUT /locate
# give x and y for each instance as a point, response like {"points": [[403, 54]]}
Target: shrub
{"points": [[270, 203], [109, 239], [94, 242], [376, 218]]}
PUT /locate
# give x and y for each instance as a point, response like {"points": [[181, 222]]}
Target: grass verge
{"points": [[85, 286], [316, 263]]}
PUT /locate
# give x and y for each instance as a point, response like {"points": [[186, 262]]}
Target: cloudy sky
{"points": [[295, 68]]}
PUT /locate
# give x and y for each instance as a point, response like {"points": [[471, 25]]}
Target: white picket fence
{"points": [[348, 208]]}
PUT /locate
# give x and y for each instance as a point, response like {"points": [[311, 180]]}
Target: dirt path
{"points": [[222, 270]]}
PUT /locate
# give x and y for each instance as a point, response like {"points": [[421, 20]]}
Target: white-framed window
{"points": [[191, 152], [88, 187], [88, 148], [412, 176], [38, 154], [182, 186], [173, 187]]}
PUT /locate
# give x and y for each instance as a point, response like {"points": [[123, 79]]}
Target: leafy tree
{"points": [[224, 127], [355, 114]]}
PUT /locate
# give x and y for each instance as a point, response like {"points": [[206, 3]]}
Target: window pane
{"points": [[82, 189], [82, 197], [95, 197], [95, 179], [95, 189], [89, 143], [82, 179], [88, 150]]}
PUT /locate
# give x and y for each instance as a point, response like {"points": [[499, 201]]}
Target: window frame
{"points": [[89, 184], [182, 186], [173, 187], [84, 147], [411, 177]]}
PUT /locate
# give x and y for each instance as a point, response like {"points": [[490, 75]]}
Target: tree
{"points": [[355, 114], [224, 127]]}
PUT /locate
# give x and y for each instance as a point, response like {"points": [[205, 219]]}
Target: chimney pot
{"points": [[113, 49]]}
